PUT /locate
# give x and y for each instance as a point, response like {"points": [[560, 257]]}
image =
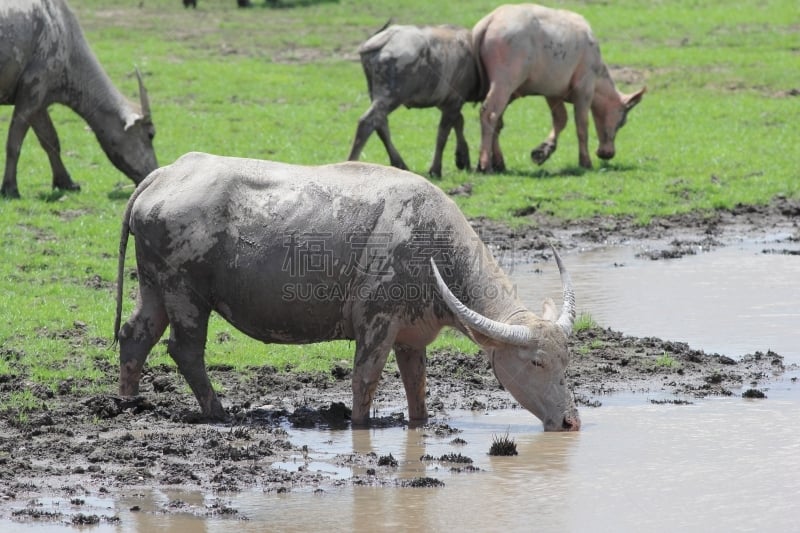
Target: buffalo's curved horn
{"points": [[143, 98], [567, 317], [497, 331]]}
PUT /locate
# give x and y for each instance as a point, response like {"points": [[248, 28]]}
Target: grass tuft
{"points": [[503, 445]]}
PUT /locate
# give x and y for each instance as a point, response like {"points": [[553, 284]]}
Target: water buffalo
{"points": [[418, 66], [528, 49], [293, 255], [45, 59]]}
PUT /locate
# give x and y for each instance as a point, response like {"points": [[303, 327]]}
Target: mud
{"points": [[75, 447]]}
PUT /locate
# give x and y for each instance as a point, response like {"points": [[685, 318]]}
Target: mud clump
{"points": [[387, 460], [422, 482]]}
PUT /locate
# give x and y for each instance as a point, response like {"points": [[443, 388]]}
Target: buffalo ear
{"points": [[549, 311], [131, 120], [632, 100]]}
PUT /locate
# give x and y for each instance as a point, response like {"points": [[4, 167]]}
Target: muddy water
{"points": [[718, 465], [732, 301]]}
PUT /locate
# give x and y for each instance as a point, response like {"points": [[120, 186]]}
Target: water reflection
{"points": [[723, 464]]}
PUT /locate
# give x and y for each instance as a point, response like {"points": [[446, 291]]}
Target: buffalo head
{"points": [[128, 140], [609, 117], [530, 356]]}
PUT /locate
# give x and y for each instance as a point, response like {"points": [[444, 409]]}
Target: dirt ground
{"points": [[99, 445]]}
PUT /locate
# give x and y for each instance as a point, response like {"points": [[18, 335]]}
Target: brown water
{"points": [[717, 465], [732, 301]]}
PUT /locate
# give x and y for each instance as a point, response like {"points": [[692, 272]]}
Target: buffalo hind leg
{"points": [[371, 356], [445, 125], [497, 99], [138, 336], [394, 156], [187, 347], [558, 110], [498, 161], [462, 148], [366, 125], [46, 133], [411, 363], [20, 122], [451, 119], [376, 119]]}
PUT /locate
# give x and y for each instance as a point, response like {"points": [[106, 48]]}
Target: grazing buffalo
{"points": [[528, 49], [45, 59], [293, 255], [428, 66]]}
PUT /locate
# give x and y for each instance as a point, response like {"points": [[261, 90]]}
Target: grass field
{"points": [[718, 126]]}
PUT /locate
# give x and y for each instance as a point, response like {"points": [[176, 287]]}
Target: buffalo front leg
{"points": [[558, 110], [46, 133], [411, 363], [581, 109], [137, 337]]}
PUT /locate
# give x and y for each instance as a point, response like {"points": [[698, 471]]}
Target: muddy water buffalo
{"points": [[528, 49], [429, 66], [294, 255], [45, 59]]}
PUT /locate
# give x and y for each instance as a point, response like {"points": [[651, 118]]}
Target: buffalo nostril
{"points": [[570, 424]]}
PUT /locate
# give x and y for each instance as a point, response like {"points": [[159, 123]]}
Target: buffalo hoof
{"points": [[494, 168], [9, 193], [214, 416], [435, 173], [462, 160], [71, 186], [542, 153]]}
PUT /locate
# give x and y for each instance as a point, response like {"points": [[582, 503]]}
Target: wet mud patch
{"points": [[673, 234], [105, 444]]}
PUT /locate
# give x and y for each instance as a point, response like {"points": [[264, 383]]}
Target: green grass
{"points": [[584, 321], [666, 361], [717, 127]]}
